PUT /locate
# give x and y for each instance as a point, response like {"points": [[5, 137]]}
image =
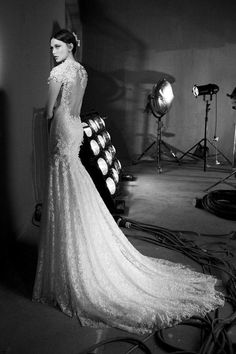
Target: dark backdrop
{"points": [[129, 45]]}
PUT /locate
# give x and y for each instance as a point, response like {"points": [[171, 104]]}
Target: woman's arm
{"points": [[53, 91]]}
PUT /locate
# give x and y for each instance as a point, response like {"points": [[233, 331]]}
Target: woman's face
{"points": [[60, 50]]}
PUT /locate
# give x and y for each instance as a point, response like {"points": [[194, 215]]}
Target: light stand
{"points": [[160, 145], [206, 91], [203, 139], [159, 102], [233, 98]]}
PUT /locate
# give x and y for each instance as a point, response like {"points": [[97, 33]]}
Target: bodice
{"points": [[73, 79], [66, 132]]}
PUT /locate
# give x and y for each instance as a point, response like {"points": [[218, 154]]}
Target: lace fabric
{"points": [[86, 265]]}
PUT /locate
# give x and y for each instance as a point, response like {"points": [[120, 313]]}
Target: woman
{"points": [[86, 265]]}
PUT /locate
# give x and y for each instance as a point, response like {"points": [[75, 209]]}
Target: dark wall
{"points": [[129, 45], [25, 29]]}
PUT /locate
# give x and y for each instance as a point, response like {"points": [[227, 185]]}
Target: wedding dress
{"points": [[86, 265]]}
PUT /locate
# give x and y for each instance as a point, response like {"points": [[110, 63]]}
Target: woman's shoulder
{"points": [[76, 64], [82, 70], [67, 71], [73, 67], [57, 73]]}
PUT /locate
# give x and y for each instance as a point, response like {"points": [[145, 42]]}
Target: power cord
{"points": [[219, 202], [215, 338], [137, 342]]}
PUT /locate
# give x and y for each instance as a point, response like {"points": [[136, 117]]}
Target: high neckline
{"points": [[67, 60]]}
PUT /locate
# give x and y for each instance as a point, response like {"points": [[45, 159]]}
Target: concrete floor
{"points": [[166, 200]]}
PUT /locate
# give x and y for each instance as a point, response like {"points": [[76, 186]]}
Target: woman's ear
{"points": [[70, 46]]}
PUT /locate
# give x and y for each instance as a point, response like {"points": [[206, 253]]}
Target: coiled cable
{"points": [[219, 202]]}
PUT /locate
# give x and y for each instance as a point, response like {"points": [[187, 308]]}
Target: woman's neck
{"points": [[70, 57]]}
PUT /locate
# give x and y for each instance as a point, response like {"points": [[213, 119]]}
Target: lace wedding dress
{"points": [[86, 265]]}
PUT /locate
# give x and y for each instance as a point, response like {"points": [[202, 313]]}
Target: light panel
{"points": [[98, 154]]}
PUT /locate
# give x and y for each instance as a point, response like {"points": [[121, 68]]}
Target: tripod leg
{"points": [[219, 151], [170, 151], [220, 181], [188, 151], [148, 148]]}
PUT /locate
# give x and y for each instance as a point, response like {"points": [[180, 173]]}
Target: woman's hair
{"points": [[66, 37]]}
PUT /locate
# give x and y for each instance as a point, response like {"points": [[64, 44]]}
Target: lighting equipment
{"points": [[158, 103], [233, 98], [161, 98], [233, 173], [204, 90], [98, 155], [207, 91]]}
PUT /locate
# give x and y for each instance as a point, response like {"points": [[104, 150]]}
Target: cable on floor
{"points": [[214, 329], [137, 342], [219, 202]]}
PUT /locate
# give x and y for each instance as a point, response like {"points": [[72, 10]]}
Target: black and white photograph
{"points": [[118, 177]]}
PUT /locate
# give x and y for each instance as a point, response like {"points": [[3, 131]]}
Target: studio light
{"points": [[204, 90], [103, 166], [112, 150], [233, 94], [101, 141], [100, 122], [201, 148], [161, 98], [88, 131], [95, 147], [115, 174], [117, 165], [158, 103], [98, 155], [108, 157], [233, 98], [93, 125], [106, 136], [111, 185]]}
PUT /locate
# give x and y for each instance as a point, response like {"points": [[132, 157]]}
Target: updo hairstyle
{"points": [[66, 37]]}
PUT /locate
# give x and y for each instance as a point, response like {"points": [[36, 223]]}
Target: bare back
{"points": [[73, 78]]}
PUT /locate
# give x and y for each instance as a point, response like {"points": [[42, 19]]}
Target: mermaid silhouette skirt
{"points": [[88, 268]]}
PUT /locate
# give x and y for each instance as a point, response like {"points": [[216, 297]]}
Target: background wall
{"points": [[25, 29], [129, 45]]}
